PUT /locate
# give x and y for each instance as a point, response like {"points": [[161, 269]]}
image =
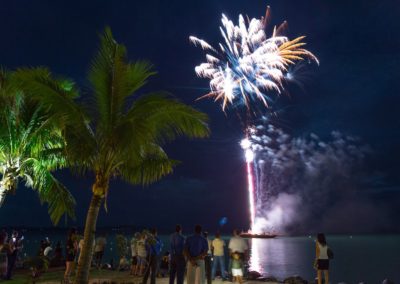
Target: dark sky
{"points": [[355, 90]]}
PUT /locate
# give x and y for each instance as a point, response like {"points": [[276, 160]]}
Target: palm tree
{"points": [[30, 149], [121, 133]]}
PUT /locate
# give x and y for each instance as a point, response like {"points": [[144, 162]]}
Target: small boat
{"points": [[258, 236]]}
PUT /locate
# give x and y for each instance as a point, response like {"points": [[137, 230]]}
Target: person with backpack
{"points": [[322, 255]]}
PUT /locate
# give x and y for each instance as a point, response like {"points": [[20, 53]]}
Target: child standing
{"points": [[237, 268]]}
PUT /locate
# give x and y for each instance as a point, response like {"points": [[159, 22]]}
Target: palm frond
{"points": [[52, 93], [58, 97], [149, 165], [31, 143], [137, 74], [107, 76], [50, 190], [113, 80], [7, 87], [164, 118], [59, 200]]}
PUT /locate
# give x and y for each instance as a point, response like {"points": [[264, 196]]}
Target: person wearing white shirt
{"points": [[47, 251], [237, 244], [99, 247], [141, 254]]}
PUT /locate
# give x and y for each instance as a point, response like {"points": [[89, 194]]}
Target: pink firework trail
{"points": [[249, 155], [251, 194], [250, 68]]}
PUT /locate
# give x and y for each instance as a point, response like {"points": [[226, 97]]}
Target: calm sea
{"points": [[359, 258]]}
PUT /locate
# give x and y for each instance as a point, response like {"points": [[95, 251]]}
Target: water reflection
{"points": [[277, 257], [255, 262]]}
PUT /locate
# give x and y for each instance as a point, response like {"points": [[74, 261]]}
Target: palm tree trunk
{"points": [[3, 193], [85, 258]]}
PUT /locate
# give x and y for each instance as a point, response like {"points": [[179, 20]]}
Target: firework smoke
{"points": [[298, 178], [250, 67]]}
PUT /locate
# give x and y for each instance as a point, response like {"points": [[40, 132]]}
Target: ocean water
{"points": [[365, 258], [358, 258]]}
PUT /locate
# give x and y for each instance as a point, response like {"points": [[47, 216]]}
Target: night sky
{"points": [[355, 90]]}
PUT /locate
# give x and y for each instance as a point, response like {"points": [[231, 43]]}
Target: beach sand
{"points": [[55, 276]]}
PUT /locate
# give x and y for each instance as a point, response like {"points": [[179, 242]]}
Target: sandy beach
{"points": [[55, 276]]}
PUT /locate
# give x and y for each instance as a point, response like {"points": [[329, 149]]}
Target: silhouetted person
{"points": [[153, 247], [178, 262], [71, 249], [196, 248], [57, 259], [99, 247], [5, 250], [15, 243], [207, 259], [322, 259]]}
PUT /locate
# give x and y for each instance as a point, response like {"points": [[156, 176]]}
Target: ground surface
{"points": [[55, 276]]}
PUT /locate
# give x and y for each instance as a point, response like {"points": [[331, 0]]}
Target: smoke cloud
{"points": [[304, 185]]}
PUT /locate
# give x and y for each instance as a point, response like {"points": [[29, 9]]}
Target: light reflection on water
{"points": [[275, 257], [357, 259], [255, 263]]}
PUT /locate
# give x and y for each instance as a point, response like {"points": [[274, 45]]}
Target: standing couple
{"points": [[194, 249]]}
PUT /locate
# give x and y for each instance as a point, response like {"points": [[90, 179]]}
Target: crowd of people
{"points": [[197, 257]]}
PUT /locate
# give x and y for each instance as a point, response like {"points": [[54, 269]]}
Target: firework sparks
{"points": [[249, 64], [246, 145], [247, 68]]}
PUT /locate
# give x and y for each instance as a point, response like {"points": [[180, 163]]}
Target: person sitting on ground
{"points": [[123, 264]]}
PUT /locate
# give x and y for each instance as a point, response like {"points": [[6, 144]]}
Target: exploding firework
{"points": [[249, 66], [247, 69]]}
